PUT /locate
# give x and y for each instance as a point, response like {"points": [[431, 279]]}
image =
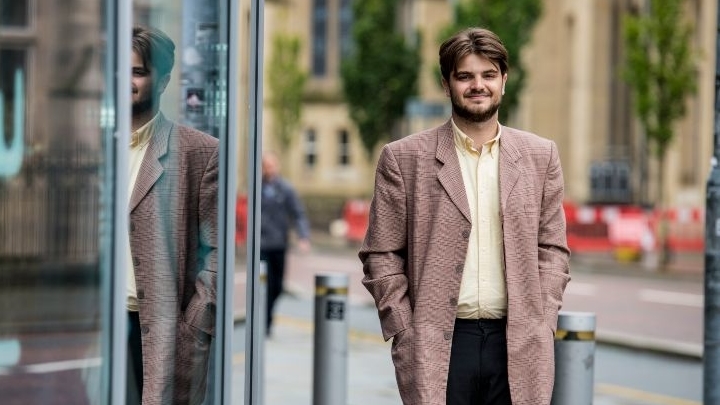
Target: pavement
{"points": [[370, 375]]}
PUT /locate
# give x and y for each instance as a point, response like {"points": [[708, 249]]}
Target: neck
{"points": [[479, 132], [140, 119]]}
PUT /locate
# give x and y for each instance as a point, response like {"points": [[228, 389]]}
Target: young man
{"points": [[172, 264], [466, 252]]}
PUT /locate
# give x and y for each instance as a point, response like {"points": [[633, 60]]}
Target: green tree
{"points": [[660, 69], [286, 82], [381, 72], [513, 22]]}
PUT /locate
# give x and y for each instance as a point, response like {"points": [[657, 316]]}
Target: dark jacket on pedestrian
{"points": [[280, 208]]}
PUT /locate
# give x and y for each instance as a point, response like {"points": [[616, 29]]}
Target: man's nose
{"points": [[477, 83]]}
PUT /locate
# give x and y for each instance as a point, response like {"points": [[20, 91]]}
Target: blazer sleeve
{"points": [[200, 312], [553, 253], [384, 250]]}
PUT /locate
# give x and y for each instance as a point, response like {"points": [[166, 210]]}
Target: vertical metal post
{"points": [[711, 357], [574, 359], [331, 340], [254, 341]]}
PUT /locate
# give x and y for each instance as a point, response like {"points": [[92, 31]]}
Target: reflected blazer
{"points": [[173, 241]]}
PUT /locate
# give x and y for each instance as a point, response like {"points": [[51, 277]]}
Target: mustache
{"points": [[478, 93]]}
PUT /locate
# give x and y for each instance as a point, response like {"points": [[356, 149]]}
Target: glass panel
{"points": [[180, 118], [14, 13], [53, 212]]}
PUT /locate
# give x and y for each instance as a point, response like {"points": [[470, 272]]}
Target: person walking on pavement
{"points": [[465, 254], [172, 271], [280, 209]]}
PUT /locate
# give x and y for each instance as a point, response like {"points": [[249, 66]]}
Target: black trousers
{"points": [[134, 361], [478, 363], [275, 261]]}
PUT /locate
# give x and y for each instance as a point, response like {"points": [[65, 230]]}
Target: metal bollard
{"points": [[331, 340], [574, 359]]}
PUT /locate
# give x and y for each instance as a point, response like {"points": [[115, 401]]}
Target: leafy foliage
{"points": [[381, 72], [660, 68], [285, 82], [513, 22]]}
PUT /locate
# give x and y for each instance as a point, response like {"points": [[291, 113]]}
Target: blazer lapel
{"points": [[509, 170], [450, 175], [151, 168]]}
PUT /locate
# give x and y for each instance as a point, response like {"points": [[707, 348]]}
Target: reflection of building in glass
{"points": [[573, 95], [49, 210]]}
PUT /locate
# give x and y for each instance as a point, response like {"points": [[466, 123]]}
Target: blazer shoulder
{"points": [[192, 136]]}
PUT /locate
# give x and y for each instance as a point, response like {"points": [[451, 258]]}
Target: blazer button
{"points": [[447, 335], [132, 226], [145, 330], [459, 268], [453, 301], [136, 261], [141, 294], [466, 234]]}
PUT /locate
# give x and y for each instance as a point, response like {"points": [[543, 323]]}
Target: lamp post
{"points": [[711, 358]]}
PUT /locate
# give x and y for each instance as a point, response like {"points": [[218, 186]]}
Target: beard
{"points": [[143, 106], [476, 116]]}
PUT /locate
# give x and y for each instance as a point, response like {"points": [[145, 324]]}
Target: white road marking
{"points": [[672, 298], [52, 367]]}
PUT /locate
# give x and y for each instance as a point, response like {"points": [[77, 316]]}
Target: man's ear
{"points": [[162, 83], [446, 86]]}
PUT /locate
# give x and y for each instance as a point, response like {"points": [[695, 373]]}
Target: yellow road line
{"points": [[630, 393]]}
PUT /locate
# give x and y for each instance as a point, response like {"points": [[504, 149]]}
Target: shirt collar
{"points": [[141, 136], [466, 144]]}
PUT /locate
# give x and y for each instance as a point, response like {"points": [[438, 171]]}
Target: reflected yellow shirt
{"points": [[483, 292], [138, 145]]}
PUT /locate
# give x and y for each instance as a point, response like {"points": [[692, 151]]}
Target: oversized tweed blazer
{"points": [[173, 241], [414, 253]]}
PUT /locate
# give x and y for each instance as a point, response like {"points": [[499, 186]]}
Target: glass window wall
{"points": [[71, 181]]}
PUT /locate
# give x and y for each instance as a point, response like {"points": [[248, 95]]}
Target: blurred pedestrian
{"points": [[172, 263], [280, 210], [466, 253]]}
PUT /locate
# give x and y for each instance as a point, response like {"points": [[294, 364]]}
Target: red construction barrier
{"points": [[685, 229], [240, 220], [356, 215], [607, 228]]}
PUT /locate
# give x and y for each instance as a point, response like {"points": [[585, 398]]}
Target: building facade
{"points": [[574, 94]]}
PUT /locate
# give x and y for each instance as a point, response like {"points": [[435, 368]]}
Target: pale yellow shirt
{"points": [[483, 292], [138, 145]]}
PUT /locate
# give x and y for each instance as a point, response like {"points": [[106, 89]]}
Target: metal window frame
{"points": [[118, 16], [255, 340], [117, 112]]}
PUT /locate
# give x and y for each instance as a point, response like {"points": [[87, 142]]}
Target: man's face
{"points": [[146, 86], [270, 167], [475, 88]]}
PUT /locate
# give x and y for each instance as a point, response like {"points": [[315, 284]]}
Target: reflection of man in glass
{"points": [[173, 231]]}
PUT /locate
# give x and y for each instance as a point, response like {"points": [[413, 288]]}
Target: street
{"points": [[649, 334]]}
